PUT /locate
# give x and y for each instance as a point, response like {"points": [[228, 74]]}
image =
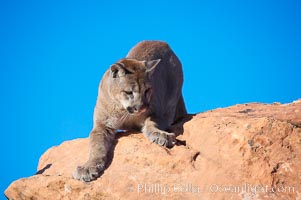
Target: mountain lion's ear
{"points": [[117, 70], [151, 65]]}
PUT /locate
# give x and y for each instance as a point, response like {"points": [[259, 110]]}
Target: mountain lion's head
{"points": [[130, 83]]}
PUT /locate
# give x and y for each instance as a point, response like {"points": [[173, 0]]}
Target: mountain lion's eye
{"points": [[128, 92]]}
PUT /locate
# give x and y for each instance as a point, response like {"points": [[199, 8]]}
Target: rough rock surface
{"points": [[249, 151]]}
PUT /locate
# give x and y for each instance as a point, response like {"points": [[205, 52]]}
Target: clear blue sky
{"points": [[53, 54]]}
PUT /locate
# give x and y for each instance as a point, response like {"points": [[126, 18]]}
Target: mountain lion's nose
{"points": [[137, 109], [130, 109]]}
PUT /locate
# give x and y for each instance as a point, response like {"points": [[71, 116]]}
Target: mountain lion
{"points": [[140, 92]]}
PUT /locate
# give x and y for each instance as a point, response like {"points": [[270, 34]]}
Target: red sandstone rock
{"points": [[228, 152]]}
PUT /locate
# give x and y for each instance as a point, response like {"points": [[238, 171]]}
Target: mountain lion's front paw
{"points": [[163, 138], [88, 172]]}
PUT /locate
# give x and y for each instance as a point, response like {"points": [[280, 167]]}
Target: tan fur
{"points": [[141, 92]]}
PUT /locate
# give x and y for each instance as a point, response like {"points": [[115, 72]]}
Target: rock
{"points": [[249, 151]]}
